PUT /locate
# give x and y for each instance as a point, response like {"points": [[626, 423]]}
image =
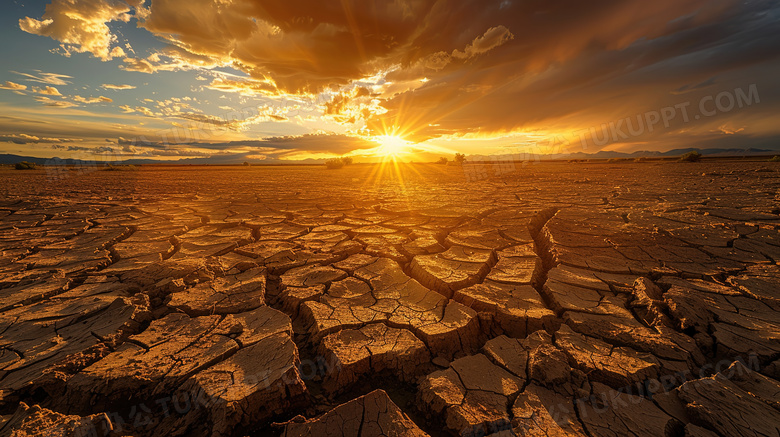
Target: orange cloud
{"points": [[47, 90], [13, 86], [90, 100], [117, 87], [437, 68], [47, 101], [48, 78], [81, 25]]}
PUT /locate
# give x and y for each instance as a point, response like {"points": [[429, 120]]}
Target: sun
{"points": [[391, 145]]}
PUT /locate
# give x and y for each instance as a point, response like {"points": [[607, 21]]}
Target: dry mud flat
{"points": [[563, 299]]}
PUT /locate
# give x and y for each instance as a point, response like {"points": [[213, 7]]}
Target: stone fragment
{"points": [[457, 268], [230, 294], [482, 237], [472, 395], [257, 382], [617, 413], [154, 363], [721, 405], [35, 421], [739, 325], [372, 414], [614, 366], [381, 292], [312, 275], [509, 353], [518, 309], [538, 411], [46, 335], [760, 282], [356, 353], [27, 288]]}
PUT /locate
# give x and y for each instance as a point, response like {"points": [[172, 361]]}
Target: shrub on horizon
{"points": [[692, 156], [333, 164], [111, 167], [24, 165]]}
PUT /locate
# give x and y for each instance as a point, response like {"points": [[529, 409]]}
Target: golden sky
{"points": [[265, 80]]}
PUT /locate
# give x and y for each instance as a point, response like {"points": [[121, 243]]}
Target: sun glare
{"points": [[391, 146]]}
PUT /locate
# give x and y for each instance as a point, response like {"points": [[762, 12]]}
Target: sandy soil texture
{"points": [[588, 299]]}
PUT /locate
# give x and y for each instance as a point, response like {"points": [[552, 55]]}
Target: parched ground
{"points": [[561, 299]]}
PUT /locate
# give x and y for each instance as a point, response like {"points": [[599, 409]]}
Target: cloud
{"points": [[446, 67], [247, 87], [70, 148], [324, 143], [172, 59], [214, 121], [335, 144], [145, 111], [725, 130], [138, 64], [693, 87], [68, 101], [32, 139], [441, 68], [48, 78], [546, 85], [336, 43], [13, 86], [55, 103], [492, 38], [90, 100], [117, 87], [47, 90], [81, 25]]}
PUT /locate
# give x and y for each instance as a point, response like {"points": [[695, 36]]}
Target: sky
{"points": [[270, 81]]}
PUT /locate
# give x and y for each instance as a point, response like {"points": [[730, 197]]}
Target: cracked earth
{"points": [[563, 299]]}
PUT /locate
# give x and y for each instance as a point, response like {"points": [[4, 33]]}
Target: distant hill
{"points": [[241, 158], [13, 159], [212, 160], [605, 154]]}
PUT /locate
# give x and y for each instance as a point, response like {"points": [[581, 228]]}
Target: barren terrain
{"points": [[561, 299]]}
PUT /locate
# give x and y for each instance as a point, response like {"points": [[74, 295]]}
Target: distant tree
{"points": [[24, 165], [347, 160], [442, 161], [246, 164], [692, 156], [460, 158]]}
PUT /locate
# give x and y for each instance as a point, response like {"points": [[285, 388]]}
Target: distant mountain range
{"points": [[674, 153], [240, 158], [212, 160]]}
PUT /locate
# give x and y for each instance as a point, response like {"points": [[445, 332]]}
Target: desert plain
{"points": [[556, 299]]}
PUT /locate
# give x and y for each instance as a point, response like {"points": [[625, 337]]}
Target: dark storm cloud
{"points": [[312, 45], [497, 93]]}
